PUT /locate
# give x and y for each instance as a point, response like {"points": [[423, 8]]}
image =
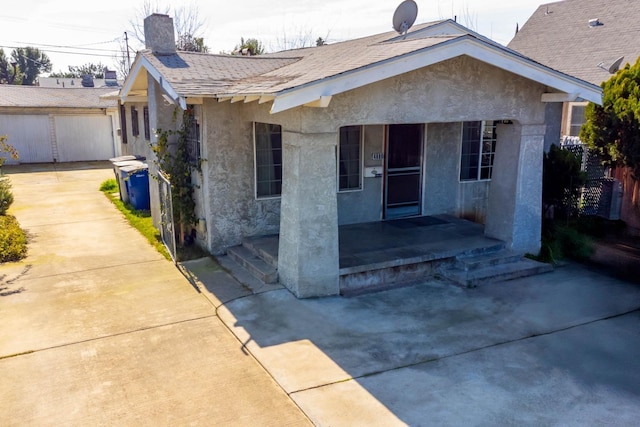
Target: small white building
{"points": [[59, 125]]}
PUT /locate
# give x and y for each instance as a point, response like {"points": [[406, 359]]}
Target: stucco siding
{"points": [[234, 211], [441, 96]]}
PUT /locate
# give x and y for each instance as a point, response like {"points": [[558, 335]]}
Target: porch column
{"points": [[308, 261], [514, 213]]}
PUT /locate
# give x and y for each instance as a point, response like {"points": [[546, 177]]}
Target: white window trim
{"points": [[350, 190], [255, 168], [471, 181]]}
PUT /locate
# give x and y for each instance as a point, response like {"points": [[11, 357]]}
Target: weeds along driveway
{"points": [[98, 328]]}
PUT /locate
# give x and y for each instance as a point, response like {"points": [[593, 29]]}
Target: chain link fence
{"points": [[595, 197]]}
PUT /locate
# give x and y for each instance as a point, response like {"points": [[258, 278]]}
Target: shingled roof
{"points": [[44, 97], [312, 75], [559, 36]]}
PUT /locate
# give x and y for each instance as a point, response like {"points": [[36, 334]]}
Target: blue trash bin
{"points": [[119, 162], [136, 178]]}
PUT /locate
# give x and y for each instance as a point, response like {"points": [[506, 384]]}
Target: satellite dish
{"points": [[404, 16], [616, 65]]}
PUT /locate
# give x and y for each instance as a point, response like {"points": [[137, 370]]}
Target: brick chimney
{"points": [[158, 34]]}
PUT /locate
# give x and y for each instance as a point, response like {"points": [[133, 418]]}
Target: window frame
{"points": [[481, 152], [147, 127], [572, 114], [123, 124], [194, 145], [360, 160], [135, 121], [255, 163]]}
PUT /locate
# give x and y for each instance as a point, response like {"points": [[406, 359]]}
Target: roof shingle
{"points": [[558, 35], [44, 97]]}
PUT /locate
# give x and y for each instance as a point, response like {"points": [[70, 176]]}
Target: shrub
{"points": [[13, 240], [6, 196], [109, 186], [564, 241]]}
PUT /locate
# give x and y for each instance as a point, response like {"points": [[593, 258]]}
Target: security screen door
{"points": [[403, 176]]}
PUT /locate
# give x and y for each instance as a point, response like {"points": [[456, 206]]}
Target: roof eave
{"points": [[464, 45], [142, 64]]}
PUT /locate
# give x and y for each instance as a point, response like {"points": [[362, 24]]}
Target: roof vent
{"points": [[595, 22]]}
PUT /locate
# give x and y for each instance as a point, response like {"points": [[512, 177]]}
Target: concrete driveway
{"points": [[98, 329], [122, 338]]}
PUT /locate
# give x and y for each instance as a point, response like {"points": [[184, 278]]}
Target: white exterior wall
{"points": [[30, 135], [44, 136], [84, 138]]}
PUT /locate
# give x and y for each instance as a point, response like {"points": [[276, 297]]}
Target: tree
{"points": [[298, 38], [4, 68], [253, 46], [188, 43], [9, 72], [90, 69], [31, 62], [613, 129]]}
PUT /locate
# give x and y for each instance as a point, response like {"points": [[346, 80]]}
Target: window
{"points": [[478, 150], [268, 158], [135, 131], [147, 128], [193, 137], [123, 123], [349, 159], [577, 119]]}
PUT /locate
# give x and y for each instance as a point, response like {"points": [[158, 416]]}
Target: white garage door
{"points": [[81, 138], [30, 135]]}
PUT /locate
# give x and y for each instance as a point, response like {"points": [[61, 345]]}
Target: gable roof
{"points": [[559, 35], [44, 97], [312, 75]]}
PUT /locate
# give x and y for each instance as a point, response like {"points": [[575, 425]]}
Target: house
{"points": [[589, 39], [302, 142], [59, 124]]}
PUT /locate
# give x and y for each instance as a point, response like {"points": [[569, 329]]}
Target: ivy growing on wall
{"points": [[174, 160]]}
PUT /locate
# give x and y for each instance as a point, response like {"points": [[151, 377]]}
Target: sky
{"points": [[77, 33]]}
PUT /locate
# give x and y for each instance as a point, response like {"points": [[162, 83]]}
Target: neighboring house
{"points": [[589, 39], [110, 80], [296, 143], [59, 125], [583, 38]]}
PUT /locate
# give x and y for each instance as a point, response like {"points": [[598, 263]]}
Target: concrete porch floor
{"points": [[375, 245]]}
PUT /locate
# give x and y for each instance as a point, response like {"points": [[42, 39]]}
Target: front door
{"points": [[403, 176]]}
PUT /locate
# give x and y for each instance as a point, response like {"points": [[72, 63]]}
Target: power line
{"points": [[113, 52], [70, 47]]}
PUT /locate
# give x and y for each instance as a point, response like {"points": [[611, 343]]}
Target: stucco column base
{"points": [[514, 214], [308, 259]]}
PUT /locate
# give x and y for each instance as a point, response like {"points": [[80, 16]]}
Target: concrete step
{"points": [[253, 263], [496, 273], [265, 248], [476, 262]]}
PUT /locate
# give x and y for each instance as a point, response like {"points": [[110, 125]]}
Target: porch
{"points": [[384, 254]]}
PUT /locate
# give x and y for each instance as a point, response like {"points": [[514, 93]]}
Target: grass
{"points": [[140, 220]]}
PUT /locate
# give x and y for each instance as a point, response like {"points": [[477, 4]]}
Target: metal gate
{"points": [[167, 229]]}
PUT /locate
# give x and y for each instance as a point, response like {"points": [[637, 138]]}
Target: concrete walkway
{"points": [[121, 338], [98, 329]]}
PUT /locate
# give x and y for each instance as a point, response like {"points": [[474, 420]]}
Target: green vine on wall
{"points": [[173, 159]]}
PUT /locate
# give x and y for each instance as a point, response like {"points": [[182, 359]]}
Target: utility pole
{"points": [[126, 41]]}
